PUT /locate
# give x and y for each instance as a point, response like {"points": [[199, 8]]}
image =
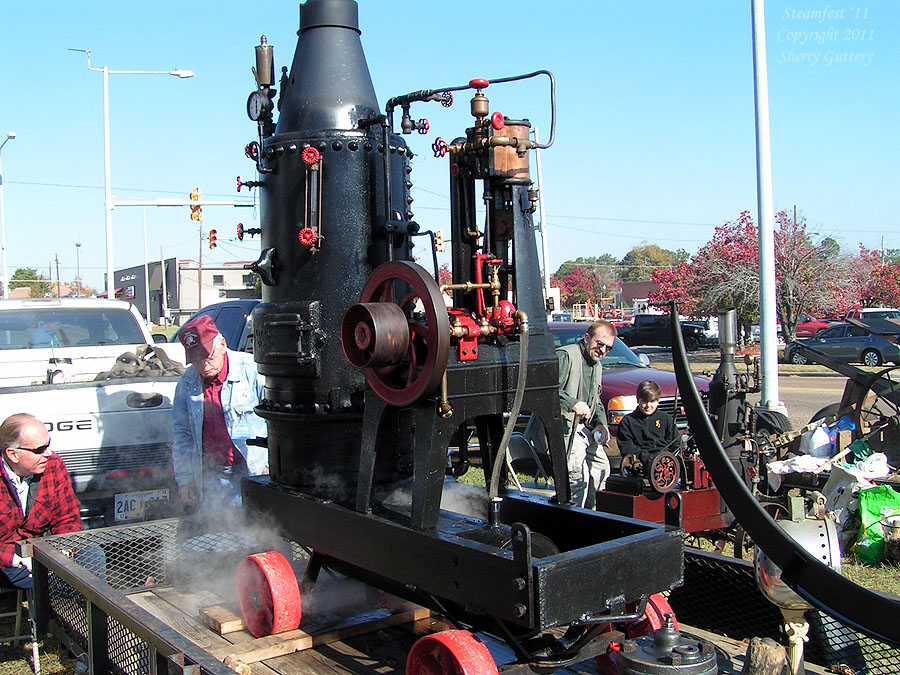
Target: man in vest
{"points": [[584, 417]]}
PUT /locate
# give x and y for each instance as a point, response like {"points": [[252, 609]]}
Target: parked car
{"points": [[874, 313], [848, 343], [623, 371], [710, 326], [234, 321], [808, 326]]}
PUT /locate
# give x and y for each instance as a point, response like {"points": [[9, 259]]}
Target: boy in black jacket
{"points": [[647, 430]]}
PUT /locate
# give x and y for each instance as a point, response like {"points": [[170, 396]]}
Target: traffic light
{"points": [[196, 209], [439, 241], [212, 239]]}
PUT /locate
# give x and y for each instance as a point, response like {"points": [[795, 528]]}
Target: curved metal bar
{"points": [[858, 607]]}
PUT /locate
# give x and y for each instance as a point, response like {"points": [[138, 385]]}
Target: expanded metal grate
{"points": [[720, 595], [143, 556]]}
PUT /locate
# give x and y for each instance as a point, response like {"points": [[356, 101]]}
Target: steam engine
{"points": [[369, 374]]}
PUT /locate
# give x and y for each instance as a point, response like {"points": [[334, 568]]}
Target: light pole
{"points": [[78, 267], [182, 74], [10, 136]]}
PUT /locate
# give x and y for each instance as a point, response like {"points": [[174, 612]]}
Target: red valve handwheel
{"points": [[240, 231], [307, 236], [424, 360], [497, 121], [664, 472], [450, 651], [269, 595], [439, 147], [423, 126], [310, 156], [479, 83]]}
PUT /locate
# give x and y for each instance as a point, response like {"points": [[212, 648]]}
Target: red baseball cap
{"points": [[198, 338]]}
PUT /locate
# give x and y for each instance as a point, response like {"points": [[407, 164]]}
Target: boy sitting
{"points": [[647, 430]]}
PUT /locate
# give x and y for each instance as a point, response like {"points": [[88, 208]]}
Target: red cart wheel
{"points": [[268, 593], [450, 652], [412, 351], [665, 471]]}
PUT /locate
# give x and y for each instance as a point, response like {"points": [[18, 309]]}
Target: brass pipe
{"points": [[445, 410]]}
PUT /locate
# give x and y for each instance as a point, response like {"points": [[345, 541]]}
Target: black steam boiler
{"points": [[370, 373]]}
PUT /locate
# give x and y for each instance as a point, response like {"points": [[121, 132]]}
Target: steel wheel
{"points": [[403, 358], [450, 652], [878, 406], [268, 593], [664, 472]]}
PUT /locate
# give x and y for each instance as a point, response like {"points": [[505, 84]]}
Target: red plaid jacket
{"points": [[53, 508]]}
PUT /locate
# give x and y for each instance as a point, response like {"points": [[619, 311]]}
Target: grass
{"points": [[16, 660]]}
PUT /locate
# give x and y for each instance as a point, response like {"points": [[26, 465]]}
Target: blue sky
{"points": [[654, 141]]}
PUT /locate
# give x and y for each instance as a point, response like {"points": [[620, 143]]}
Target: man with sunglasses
{"points": [[213, 419], [36, 498], [584, 417]]}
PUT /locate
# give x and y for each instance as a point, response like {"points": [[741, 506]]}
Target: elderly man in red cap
{"points": [[213, 418]]}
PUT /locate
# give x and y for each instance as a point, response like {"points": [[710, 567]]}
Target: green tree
{"points": [[605, 266], [28, 277], [640, 262]]}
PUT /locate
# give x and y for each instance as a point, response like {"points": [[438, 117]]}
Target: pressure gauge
{"points": [[258, 105]]}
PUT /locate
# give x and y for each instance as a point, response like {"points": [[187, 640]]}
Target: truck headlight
{"points": [[619, 406]]}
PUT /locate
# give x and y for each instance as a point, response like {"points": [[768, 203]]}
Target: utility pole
{"points": [[58, 286], [165, 300], [200, 272]]}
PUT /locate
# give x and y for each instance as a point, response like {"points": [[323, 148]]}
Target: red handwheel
{"points": [[450, 652], [269, 594]]}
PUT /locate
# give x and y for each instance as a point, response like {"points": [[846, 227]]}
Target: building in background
{"points": [[184, 295]]}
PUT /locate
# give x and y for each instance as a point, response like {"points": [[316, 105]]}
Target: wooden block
{"points": [[221, 620], [297, 640]]}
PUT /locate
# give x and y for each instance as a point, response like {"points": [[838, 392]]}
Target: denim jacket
{"points": [[241, 393]]}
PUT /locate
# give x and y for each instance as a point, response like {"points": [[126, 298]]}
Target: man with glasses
{"points": [[584, 417], [37, 496], [213, 419]]}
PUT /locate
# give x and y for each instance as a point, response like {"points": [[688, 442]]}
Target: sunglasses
{"points": [[39, 450]]}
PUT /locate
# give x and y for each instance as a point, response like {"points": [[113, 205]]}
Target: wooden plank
{"points": [[298, 640], [221, 620], [188, 626]]}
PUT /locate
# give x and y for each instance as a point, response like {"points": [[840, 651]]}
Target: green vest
{"points": [[573, 385]]}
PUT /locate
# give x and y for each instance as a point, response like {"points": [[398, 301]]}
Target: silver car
{"points": [[848, 343]]}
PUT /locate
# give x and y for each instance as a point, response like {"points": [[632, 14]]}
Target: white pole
{"points": [[146, 272], [78, 265], [9, 136], [110, 279], [544, 246], [165, 300], [765, 208]]}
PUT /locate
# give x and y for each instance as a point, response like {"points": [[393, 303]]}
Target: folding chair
{"points": [[17, 635]]}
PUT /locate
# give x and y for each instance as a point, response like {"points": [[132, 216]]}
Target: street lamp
{"points": [[10, 136], [181, 74]]}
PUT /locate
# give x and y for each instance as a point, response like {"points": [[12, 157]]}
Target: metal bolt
{"points": [[519, 609], [519, 584]]}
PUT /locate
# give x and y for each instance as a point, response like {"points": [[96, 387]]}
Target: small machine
{"points": [[369, 373]]}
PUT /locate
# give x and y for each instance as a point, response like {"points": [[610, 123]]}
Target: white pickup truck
{"points": [[115, 435]]}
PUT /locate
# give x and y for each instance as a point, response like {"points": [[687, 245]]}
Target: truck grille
{"points": [[674, 407]]}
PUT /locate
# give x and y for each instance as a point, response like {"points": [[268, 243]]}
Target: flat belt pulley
{"points": [[401, 347]]}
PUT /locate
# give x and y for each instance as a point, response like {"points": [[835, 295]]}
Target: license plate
{"points": [[131, 505]]}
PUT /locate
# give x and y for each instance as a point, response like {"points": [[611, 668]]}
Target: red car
{"points": [[808, 326], [623, 371]]}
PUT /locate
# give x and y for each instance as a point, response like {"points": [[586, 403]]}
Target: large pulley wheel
{"points": [[664, 472], [268, 593], [456, 652], [402, 355], [878, 404]]}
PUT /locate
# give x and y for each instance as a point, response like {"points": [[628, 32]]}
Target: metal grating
{"points": [[720, 595]]}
